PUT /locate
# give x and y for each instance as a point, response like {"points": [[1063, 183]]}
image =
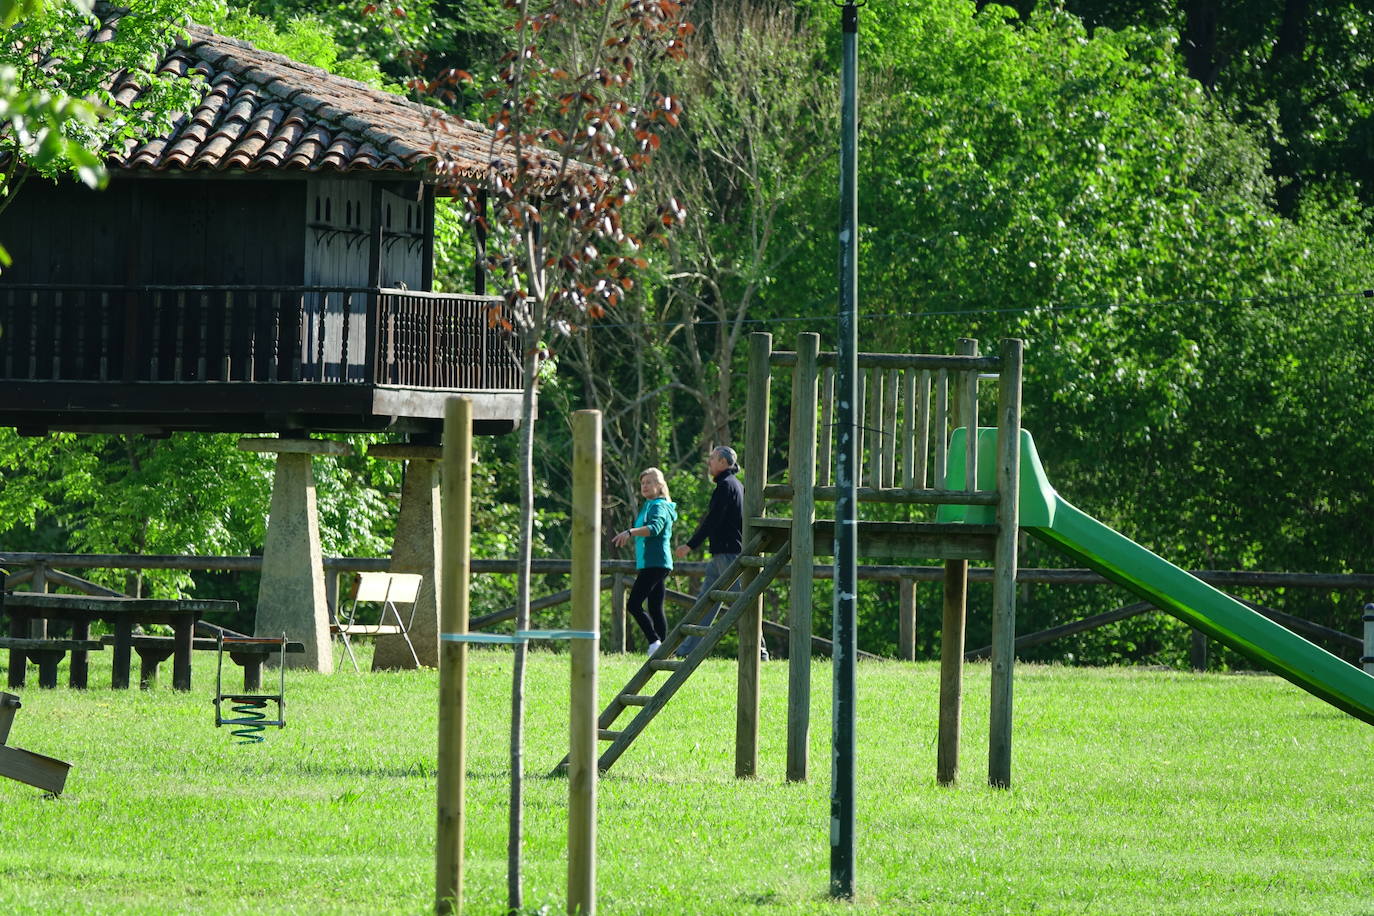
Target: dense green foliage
{"points": [[1133, 792]]}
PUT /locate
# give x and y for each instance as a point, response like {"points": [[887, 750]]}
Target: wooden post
{"points": [[823, 469], [1197, 651], [942, 425], [876, 433], [890, 427], [751, 621], [586, 613], [453, 656], [955, 600], [618, 628], [1004, 573], [908, 478], [906, 610], [923, 432], [802, 476], [951, 671]]}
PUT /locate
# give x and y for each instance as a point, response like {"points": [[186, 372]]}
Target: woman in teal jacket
{"points": [[653, 534]]}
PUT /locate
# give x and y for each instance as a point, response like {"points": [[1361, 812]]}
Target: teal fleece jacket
{"points": [[655, 551]]}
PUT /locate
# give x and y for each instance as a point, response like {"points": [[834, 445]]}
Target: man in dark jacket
{"points": [[722, 530]]}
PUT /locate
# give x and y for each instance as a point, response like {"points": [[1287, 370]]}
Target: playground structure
{"points": [[916, 451], [911, 404]]}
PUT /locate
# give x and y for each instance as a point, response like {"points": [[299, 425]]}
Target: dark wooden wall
{"points": [[222, 230]]}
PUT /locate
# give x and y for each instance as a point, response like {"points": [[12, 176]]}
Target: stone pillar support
{"points": [[419, 537], [291, 597]]}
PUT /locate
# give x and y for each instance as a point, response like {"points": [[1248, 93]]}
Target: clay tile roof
{"points": [[261, 110]]}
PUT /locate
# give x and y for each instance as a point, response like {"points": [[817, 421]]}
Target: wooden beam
{"points": [[46, 773]]}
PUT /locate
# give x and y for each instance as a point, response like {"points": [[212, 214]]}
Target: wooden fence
{"points": [[49, 569]]}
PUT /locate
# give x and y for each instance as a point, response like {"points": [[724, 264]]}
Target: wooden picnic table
{"points": [[123, 613]]}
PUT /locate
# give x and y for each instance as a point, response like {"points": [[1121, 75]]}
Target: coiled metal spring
{"points": [[248, 725]]}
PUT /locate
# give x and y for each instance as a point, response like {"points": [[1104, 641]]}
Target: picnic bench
{"points": [[122, 612], [152, 651]]}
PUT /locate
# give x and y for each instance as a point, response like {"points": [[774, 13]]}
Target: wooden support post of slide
{"points": [[750, 625], [906, 618], [455, 564], [1005, 561], [955, 609], [586, 615], [951, 671]]}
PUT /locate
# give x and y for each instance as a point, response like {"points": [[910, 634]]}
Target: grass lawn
{"points": [[1134, 792]]}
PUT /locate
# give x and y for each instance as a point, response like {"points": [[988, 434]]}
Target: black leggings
{"points": [[649, 585]]}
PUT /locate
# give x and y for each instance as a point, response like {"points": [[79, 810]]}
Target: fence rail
{"points": [[555, 566], [49, 566]]}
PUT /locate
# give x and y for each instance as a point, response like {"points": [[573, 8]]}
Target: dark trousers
{"points": [[649, 588]]}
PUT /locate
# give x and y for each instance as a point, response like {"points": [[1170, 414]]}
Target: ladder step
{"points": [[682, 668], [753, 562]]}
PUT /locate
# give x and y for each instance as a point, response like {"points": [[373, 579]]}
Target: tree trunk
{"points": [[522, 622], [1289, 47], [1200, 19]]}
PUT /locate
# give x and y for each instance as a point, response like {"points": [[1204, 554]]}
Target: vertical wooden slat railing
{"points": [[226, 334], [910, 406]]}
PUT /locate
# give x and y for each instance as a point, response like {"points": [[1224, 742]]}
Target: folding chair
{"points": [[388, 590]]}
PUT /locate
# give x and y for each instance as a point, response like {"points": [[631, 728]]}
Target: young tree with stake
{"points": [[579, 111]]}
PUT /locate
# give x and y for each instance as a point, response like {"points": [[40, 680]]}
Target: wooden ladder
{"points": [[678, 670]]}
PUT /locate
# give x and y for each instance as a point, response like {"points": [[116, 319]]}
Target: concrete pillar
{"points": [[291, 596], [419, 536]]}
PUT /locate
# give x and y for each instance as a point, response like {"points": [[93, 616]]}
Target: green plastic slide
{"points": [[1048, 516]]}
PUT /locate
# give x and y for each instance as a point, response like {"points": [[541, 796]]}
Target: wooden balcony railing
{"points": [[327, 334]]}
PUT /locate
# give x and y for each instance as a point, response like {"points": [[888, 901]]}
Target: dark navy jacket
{"points": [[723, 525]]}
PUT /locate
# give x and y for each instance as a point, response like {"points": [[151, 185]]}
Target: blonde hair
{"points": [[658, 479]]}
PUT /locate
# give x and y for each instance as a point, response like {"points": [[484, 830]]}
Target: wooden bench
{"points": [[47, 654], [154, 650]]}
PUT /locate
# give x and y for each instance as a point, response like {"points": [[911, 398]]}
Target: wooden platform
{"points": [[890, 540]]}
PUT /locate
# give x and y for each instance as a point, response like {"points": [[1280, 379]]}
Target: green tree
{"points": [[1301, 72], [189, 494]]}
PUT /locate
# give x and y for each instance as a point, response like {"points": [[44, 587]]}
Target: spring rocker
{"points": [[249, 718]]}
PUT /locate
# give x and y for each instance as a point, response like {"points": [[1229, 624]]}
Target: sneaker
{"points": [[653, 646]]}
